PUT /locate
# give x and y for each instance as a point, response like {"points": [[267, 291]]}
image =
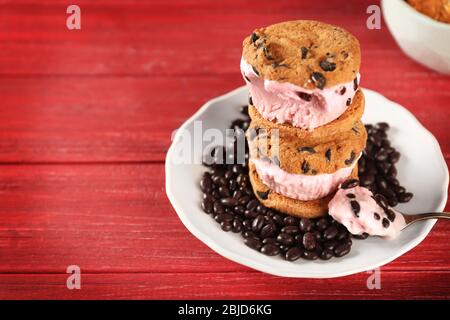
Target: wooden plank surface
{"points": [[224, 285], [86, 119]]}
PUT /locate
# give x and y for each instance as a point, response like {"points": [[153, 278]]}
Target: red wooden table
{"points": [[86, 118]]}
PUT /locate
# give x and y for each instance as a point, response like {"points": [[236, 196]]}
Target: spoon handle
{"points": [[424, 216]]}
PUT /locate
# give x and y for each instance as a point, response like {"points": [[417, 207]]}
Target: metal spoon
{"points": [[411, 218]]}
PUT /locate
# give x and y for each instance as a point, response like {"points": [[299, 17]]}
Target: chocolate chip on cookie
{"points": [[263, 195], [304, 52], [319, 80], [255, 37], [327, 65], [328, 154], [305, 166], [350, 160]]}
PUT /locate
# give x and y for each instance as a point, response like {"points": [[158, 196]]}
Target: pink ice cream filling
{"points": [[370, 218], [300, 186], [285, 102]]}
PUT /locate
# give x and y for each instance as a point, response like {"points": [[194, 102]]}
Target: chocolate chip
{"points": [[390, 214], [253, 243], [246, 78], [350, 160], [263, 195], [341, 250], [270, 249], [326, 254], [385, 223], [250, 100], [290, 221], [207, 205], [228, 202], [319, 80], [381, 200], [292, 230], [350, 196], [255, 71], [305, 166], [328, 154], [344, 54], [361, 236], [384, 126], [405, 197], [356, 208], [349, 101], [267, 54], [331, 232], [258, 223], [322, 224], [285, 239], [309, 150], [327, 65], [351, 183], [376, 216], [310, 255], [343, 90], [309, 241], [293, 254], [305, 96], [304, 52], [305, 225], [355, 84], [255, 37], [394, 157]]}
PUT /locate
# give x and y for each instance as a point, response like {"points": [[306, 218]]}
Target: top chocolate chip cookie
{"points": [[307, 53]]}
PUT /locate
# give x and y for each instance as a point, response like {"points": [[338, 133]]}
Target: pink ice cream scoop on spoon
{"points": [[361, 212]]}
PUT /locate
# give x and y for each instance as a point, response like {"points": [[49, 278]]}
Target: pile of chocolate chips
{"points": [[228, 197], [377, 166]]}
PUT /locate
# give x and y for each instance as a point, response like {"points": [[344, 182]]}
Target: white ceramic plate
{"points": [[422, 170]]}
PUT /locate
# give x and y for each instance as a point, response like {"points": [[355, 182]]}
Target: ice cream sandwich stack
{"points": [[305, 105]]}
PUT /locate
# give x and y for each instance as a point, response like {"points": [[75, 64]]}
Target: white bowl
{"points": [[422, 170], [422, 38]]}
